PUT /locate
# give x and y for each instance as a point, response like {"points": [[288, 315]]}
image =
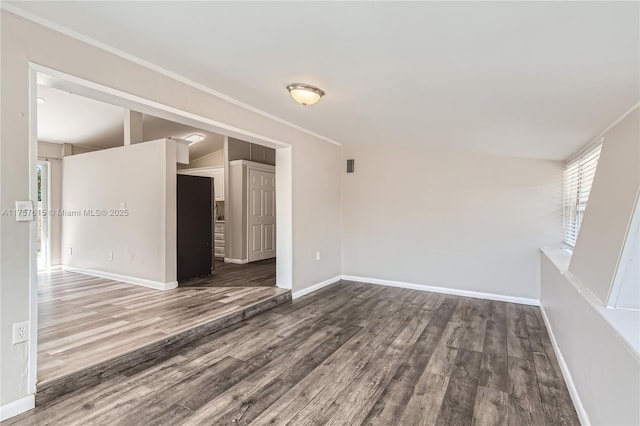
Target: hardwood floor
{"points": [[348, 354], [254, 274], [84, 321]]}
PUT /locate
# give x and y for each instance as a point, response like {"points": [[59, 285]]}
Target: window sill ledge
{"points": [[559, 257], [624, 322]]}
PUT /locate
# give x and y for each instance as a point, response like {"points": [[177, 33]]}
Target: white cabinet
{"points": [[218, 239], [215, 172], [218, 183]]}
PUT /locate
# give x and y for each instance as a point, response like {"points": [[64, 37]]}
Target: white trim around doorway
{"points": [[79, 86]]}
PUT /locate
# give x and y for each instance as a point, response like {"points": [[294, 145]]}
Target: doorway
{"points": [[71, 84], [43, 243]]}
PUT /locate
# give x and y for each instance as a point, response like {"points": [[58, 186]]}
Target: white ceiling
{"points": [[532, 79], [69, 118], [156, 128]]}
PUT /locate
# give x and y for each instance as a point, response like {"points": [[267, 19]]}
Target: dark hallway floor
{"points": [[254, 274]]}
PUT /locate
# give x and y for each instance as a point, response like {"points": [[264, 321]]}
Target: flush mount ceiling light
{"points": [[194, 138], [305, 94]]}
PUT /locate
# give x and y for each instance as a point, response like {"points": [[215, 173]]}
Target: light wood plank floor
{"points": [[348, 354], [84, 320]]}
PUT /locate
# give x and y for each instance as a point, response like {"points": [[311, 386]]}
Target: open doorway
{"points": [[98, 342], [42, 169], [245, 231], [243, 202]]}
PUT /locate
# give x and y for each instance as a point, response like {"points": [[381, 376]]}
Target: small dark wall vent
{"points": [[350, 165]]}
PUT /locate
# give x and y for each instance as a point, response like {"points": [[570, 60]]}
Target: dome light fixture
{"points": [[305, 94]]}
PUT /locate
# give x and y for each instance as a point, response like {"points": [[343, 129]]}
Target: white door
{"points": [[262, 215]]}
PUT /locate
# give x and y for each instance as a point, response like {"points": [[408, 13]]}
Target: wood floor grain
{"points": [[83, 320], [254, 274], [348, 354]]}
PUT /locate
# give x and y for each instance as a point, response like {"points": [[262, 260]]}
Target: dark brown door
{"points": [[194, 226]]}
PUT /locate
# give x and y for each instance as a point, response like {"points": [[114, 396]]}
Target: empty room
{"points": [[309, 213]]}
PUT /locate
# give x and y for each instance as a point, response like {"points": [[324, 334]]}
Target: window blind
{"points": [[578, 179]]}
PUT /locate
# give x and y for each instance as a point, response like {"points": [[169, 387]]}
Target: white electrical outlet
{"points": [[70, 251], [111, 256], [20, 332], [317, 255]]}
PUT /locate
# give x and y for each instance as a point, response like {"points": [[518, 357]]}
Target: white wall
{"points": [[49, 150], [600, 344], [629, 292], [53, 154], [316, 191], [137, 175], [75, 149], [316, 164], [214, 159], [457, 220], [604, 370]]}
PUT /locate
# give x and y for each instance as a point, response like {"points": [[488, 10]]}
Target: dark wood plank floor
{"points": [[84, 320], [254, 274], [348, 354]]}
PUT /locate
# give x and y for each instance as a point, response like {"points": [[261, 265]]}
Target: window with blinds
{"points": [[578, 178]]}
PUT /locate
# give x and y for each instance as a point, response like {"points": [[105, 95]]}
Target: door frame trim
{"points": [[46, 196]]}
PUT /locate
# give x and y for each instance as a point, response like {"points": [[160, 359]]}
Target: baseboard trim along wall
{"points": [[573, 391], [315, 287], [236, 261], [445, 290], [124, 278], [420, 287], [16, 407]]}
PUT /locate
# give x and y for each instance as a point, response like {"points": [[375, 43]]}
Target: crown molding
{"points": [[103, 46]]}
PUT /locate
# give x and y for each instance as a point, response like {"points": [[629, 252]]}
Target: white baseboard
{"points": [[421, 287], [573, 391], [445, 290], [124, 278], [314, 287], [16, 407], [236, 261]]}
